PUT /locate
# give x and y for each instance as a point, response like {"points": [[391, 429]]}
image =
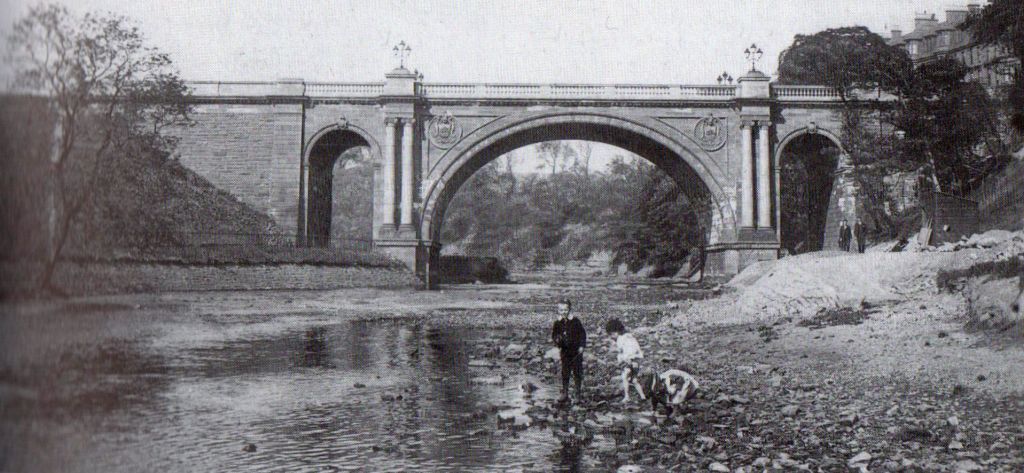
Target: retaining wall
{"points": [[115, 278]]}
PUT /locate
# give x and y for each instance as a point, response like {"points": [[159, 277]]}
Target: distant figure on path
{"points": [[628, 354], [570, 337], [858, 233], [844, 235]]}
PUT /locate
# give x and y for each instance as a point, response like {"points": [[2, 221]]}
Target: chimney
{"points": [[973, 7], [955, 17], [897, 36], [924, 21]]}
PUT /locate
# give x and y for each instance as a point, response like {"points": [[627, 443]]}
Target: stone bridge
{"points": [[266, 142]]}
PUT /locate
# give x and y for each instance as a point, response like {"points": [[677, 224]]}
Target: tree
{"points": [[113, 97], [555, 155], [1001, 23], [846, 59], [944, 119]]}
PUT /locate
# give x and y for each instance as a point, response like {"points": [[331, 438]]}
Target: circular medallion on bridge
{"points": [[444, 131], [709, 133]]}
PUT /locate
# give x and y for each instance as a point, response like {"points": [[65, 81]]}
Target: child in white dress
{"points": [[628, 354]]}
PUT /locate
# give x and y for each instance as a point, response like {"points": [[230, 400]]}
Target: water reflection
{"points": [[397, 395], [315, 354]]}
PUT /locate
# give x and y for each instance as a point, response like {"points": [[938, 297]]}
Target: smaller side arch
{"points": [[777, 165], [805, 131], [312, 231], [375, 153]]}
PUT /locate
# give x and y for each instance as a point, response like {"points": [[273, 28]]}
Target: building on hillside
{"points": [[992, 65]]}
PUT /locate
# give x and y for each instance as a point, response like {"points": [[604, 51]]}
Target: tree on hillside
{"points": [[945, 120], [846, 59], [113, 97], [1001, 23], [945, 123]]}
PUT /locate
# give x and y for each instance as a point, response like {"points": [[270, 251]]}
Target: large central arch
{"points": [[694, 171]]}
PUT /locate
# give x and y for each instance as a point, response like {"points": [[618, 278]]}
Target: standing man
{"points": [[570, 337], [858, 233], [844, 235]]}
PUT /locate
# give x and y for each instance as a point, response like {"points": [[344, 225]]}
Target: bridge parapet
{"points": [[364, 90], [805, 93], [579, 91], [344, 89]]}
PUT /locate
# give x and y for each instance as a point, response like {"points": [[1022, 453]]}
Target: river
{"points": [[188, 384]]}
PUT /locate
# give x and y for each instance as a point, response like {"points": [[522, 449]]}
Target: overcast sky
{"points": [[485, 41]]}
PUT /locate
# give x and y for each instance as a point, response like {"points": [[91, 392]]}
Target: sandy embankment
{"points": [[913, 328]]}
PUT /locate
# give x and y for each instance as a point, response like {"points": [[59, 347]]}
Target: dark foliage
{"points": [[634, 210]]}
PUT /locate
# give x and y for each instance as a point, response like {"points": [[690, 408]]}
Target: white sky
{"points": [[649, 41]]}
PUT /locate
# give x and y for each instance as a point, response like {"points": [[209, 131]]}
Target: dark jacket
{"points": [[569, 334], [858, 232], [844, 233]]}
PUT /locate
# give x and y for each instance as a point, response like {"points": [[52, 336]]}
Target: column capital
{"points": [[390, 121], [764, 123], [746, 123], [409, 121]]}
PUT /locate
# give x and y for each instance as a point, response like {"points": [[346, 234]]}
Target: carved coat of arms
{"points": [[709, 133], [444, 131]]}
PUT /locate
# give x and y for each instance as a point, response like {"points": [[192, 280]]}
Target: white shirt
{"points": [[628, 348], [679, 384]]}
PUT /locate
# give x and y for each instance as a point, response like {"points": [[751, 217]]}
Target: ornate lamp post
{"points": [[753, 54], [724, 78], [401, 51]]}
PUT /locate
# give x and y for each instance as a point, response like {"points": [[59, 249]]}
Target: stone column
{"points": [[764, 175], [747, 184], [407, 170], [307, 240], [389, 171]]}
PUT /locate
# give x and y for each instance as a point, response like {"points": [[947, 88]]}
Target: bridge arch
{"points": [[696, 173], [820, 221], [320, 155]]}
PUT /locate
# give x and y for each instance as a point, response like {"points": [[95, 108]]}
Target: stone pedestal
{"points": [[725, 260], [421, 257]]}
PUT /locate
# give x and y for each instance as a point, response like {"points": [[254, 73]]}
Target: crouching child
{"points": [[670, 388]]}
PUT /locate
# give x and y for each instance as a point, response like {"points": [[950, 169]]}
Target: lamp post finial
{"points": [[401, 51]]}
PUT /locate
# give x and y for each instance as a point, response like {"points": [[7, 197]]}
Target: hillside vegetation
{"points": [[631, 209]]}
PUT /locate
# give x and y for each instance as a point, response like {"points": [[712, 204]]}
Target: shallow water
{"points": [[117, 388]]}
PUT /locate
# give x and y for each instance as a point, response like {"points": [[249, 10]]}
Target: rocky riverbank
{"points": [[885, 379]]}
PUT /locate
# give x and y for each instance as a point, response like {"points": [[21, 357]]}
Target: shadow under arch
{"points": [[821, 153], [690, 171], [322, 152]]}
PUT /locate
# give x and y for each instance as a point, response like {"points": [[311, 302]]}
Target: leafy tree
{"points": [[633, 210], [846, 59], [944, 119], [1001, 23], [112, 96]]}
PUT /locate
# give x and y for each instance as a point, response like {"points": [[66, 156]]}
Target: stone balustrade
{"points": [[797, 93], [784, 93], [342, 89]]}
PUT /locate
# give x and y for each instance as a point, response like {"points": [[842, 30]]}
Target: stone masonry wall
{"points": [[117, 278], [252, 151]]}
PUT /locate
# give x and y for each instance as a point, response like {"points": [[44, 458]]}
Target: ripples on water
{"points": [[116, 391]]}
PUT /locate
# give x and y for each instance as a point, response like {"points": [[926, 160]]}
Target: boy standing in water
{"points": [[570, 337]]}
